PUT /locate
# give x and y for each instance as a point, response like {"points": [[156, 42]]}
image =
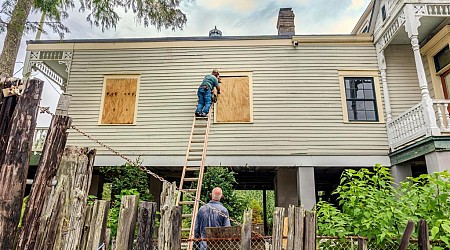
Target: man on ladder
{"points": [[204, 93]]}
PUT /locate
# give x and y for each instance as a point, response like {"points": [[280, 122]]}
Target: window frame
{"points": [[119, 76], [238, 73], [377, 91]]}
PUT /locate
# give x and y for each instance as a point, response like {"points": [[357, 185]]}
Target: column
{"points": [[412, 28], [437, 161], [400, 171], [306, 187], [382, 67], [286, 187]]}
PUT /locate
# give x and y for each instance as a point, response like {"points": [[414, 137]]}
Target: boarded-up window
{"points": [[234, 102], [119, 100]]}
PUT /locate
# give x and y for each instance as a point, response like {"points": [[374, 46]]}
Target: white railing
{"points": [[442, 114], [409, 126], [40, 134]]}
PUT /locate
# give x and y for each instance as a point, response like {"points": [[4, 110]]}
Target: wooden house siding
{"points": [[404, 90], [296, 99]]}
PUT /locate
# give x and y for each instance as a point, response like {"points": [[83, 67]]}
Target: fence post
{"points": [[97, 225], [146, 220], [277, 231], [310, 230], [14, 165], [424, 241], [299, 227], [127, 222], [62, 218], [362, 243], [46, 171], [246, 230], [406, 236], [165, 241], [176, 227], [291, 227], [7, 106]]}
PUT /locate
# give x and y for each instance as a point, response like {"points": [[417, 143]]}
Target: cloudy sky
{"points": [[232, 17]]}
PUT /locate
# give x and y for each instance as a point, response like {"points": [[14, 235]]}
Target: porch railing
{"points": [[412, 125], [407, 127], [40, 134]]}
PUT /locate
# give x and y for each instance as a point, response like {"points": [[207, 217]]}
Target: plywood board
{"points": [[233, 104], [119, 103]]}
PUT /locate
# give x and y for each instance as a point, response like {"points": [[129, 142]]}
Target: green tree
{"points": [[101, 13]]}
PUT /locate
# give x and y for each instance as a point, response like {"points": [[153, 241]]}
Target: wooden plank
{"points": [[168, 199], [246, 234], [86, 227], [62, 219], [277, 231], [233, 104], [176, 214], [362, 244], [291, 228], [299, 228], [127, 222], [310, 231], [406, 236], [424, 237], [97, 227], [46, 171], [7, 106], [146, 221], [119, 100], [14, 167]]}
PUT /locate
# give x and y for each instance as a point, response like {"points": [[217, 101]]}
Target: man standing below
{"points": [[204, 92], [207, 217]]}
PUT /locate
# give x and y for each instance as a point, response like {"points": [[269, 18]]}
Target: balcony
{"points": [[414, 124]]}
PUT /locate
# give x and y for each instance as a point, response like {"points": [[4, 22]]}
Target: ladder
{"points": [[192, 176]]}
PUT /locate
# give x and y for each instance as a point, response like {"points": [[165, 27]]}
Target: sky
{"points": [[232, 17]]}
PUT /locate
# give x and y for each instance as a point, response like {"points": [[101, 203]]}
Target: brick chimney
{"points": [[285, 23]]}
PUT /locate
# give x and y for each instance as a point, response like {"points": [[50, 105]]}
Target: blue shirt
{"points": [[206, 217], [210, 81]]}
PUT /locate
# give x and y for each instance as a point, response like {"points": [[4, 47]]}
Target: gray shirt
{"points": [[206, 217]]}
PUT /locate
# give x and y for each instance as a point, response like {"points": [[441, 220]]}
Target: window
{"points": [[234, 104], [442, 58], [119, 100], [361, 97], [383, 12]]}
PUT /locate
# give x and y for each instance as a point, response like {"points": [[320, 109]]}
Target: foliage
{"points": [[224, 178], [127, 177], [370, 206]]}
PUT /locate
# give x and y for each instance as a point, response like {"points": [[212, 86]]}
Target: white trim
{"points": [[260, 161]]}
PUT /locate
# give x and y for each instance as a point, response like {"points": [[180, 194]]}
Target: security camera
{"points": [[295, 43]]}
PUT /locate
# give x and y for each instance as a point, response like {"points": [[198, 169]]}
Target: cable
{"points": [[18, 71], [50, 82]]}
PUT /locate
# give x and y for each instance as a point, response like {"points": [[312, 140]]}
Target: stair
{"points": [[192, 175]]}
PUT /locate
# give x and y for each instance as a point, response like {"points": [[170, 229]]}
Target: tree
{"points": [[102, 13]]}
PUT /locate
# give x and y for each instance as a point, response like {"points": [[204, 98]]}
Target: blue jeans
{"points": [[204, 100]]}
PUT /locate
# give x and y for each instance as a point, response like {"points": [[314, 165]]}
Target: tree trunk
{"points": [[13, 173], [46, 171], [14, 32]]}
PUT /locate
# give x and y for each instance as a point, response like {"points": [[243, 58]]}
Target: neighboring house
{"points": [[299, 108]]}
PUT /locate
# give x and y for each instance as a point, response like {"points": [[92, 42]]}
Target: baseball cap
{"points": [[216, 71]]}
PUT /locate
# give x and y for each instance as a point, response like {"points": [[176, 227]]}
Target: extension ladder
{"points": [[192, 176]]}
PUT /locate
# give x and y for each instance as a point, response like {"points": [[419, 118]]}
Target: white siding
{"points": [[404, 90], [296, 98]]}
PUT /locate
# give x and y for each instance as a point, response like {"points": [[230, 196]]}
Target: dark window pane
{"points": [[360, 105], [371, 116], [370, 105], [442, 58], [361, 115], [368, 94]]}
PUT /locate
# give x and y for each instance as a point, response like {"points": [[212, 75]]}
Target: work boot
{"points": [[197, 114], [204, 114]]}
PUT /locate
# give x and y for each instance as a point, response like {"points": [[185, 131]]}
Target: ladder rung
{"points": [[191, 179], [190, 190], [196, 150], [201, 117], [192, 168], [194, 159], [198, 141], [186, 215], [185, 229], [199, 133], [200, 125], [186, 202]]}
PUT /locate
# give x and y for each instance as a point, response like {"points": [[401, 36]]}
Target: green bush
{"points": [[370, 206]]}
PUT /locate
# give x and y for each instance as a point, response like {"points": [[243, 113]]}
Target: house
{"points": [[299, 109]]}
